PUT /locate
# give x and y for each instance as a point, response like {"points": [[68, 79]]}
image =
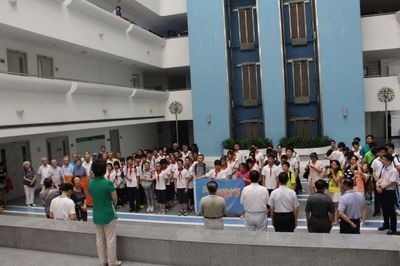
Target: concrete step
{"points": [[22, 257], [154, 243]]}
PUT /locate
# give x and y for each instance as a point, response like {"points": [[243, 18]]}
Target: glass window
{"points": [[249, 85], [300, 82], [298, 31], [246, 29], [303, 128]]}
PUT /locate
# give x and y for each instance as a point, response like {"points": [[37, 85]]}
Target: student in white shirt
{"points": [[181, 181], [270, 173], [255, 199], [217, 172], [131, 173], [62, 207], [161, 176]]}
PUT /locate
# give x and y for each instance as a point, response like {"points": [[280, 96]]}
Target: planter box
{"points": [[246, 152], [300, 151]]}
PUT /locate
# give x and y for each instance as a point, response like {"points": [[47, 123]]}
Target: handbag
{"points": [[9, 184]]}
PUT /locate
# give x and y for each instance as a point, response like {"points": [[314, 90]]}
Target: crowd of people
{"points": [[158, 179]]}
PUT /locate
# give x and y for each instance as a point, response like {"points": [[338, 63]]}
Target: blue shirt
{"points": [[351, 204]]}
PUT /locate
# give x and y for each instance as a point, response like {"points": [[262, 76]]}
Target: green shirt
{"points": [[369, 157], [103, 208]]}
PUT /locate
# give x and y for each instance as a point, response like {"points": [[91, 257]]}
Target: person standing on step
{"points": [[213, 208], [104, 215]]}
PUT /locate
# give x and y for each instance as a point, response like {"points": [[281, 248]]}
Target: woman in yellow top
{"points": [[292, 177], [335, 176]]}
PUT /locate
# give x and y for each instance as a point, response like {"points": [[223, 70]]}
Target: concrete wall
{"points": [[72, 64], [380, 32], [272, 73], [341, 76], [154, 243], [81, 24], [209, 74]]}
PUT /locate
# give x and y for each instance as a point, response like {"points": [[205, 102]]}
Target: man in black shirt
{"points": [[320, 212]]}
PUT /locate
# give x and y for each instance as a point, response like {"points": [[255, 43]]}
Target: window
{"points": [[300, 82], [250, 85], [298, 32], [252, 130], [45, 66], [17, 62], [303, 128], [246, 29]]}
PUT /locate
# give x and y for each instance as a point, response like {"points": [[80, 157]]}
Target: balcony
{"points": [[371, 87], [33, 105], [381, 32], [80, 24]]}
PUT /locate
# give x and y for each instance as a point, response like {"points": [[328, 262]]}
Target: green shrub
{"points": [[297, 142], [261, 143]]}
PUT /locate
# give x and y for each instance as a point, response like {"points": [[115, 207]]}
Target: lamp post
{"points": [[386, 95], [176, 108]]}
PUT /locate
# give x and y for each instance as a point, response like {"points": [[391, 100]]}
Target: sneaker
{"points": [[185, 213], [28, 205], [119, 263], [397, 212], [33, 205], [390, 232], [151, 209], [148, 209]]}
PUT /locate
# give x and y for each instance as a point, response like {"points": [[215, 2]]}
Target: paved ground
{"points": [[22, 257]]}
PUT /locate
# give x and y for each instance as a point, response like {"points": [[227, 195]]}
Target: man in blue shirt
{"points": [[350, 207]]}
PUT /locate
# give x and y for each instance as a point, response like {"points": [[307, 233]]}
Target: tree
{"points": [[176, 108], [386, 95]]}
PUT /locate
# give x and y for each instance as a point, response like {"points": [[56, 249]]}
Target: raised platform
{"points": [[173, 245]]}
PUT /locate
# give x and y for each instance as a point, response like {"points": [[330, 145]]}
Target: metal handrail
{"points": [[83, 81]]}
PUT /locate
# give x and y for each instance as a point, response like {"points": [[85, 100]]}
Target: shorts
{"points": [[161, 196], [182, 196], [336, 196]]}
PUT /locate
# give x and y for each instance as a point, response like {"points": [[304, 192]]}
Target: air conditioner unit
{"points": [[398, 16]]}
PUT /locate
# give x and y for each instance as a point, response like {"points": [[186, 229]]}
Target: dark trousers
{"points": [[191, 196], [141, 196], [80, 214], [389, 214], [120, 196], [345, 228], [132, 198], [299, 187], [284, 222], [319, 224], [377, 200]]}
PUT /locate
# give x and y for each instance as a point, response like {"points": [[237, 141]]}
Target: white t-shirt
{"points": [[161, 179], [43, 172], [283, 199], [377, 167], [222, 174], [259, 158], [254, 198], [88, 167], [293, 164], [61, 208], [270, 174], [132, 172], [181, 178]]}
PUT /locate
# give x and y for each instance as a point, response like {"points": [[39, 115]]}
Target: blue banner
{"points": [[229, 189]]}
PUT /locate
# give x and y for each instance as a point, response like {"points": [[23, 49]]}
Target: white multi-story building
{"points": [[74, 76]]}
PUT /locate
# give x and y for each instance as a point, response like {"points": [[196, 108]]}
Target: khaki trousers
{"points": [[107, 243], [214, 224]]}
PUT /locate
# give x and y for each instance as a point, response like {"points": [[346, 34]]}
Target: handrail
{"points": [[380, 14], [84, 81]]}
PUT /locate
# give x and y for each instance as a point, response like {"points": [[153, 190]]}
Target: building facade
{"points": [[285, 68]]}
